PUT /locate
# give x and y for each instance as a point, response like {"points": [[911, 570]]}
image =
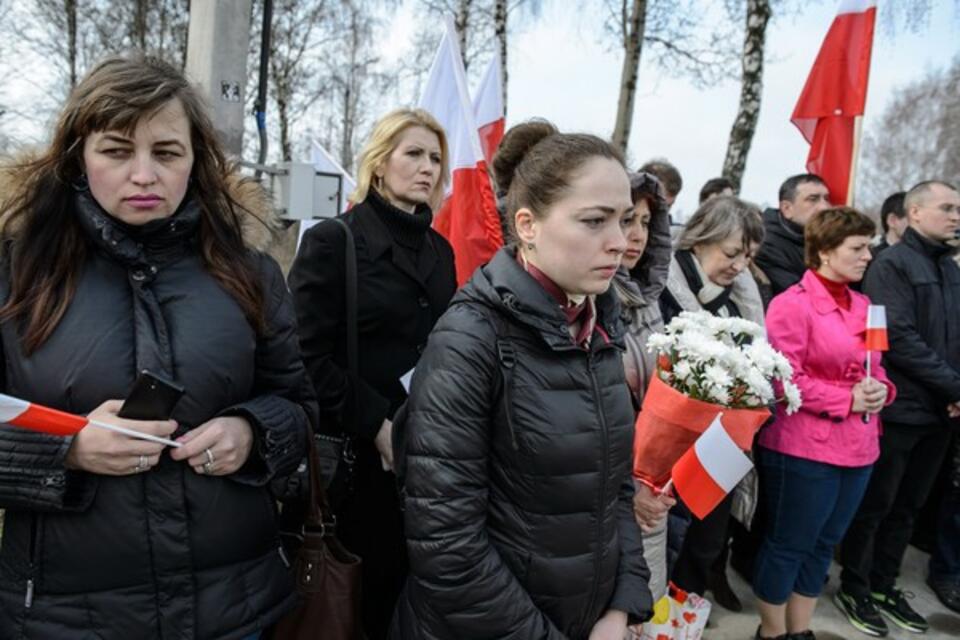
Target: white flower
{"points": [[792, 394], [660, 343], [682, 370], [717, 377]]}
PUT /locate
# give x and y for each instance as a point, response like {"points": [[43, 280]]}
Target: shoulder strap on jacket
{"points": [[507, 355]]}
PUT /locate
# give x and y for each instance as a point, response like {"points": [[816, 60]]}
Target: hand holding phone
{"points": [[151, 398]]}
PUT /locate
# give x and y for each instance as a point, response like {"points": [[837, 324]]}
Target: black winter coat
{"points": [[781, 255], [524, 532], [167, 553], [399, 302], [919, 283]]}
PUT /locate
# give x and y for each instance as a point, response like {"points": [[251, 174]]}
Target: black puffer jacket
{"points": [[781, 255], [919, 283], [167, 553], [519, 528]]}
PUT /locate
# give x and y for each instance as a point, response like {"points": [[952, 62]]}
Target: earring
{"points": [[531, 246], [80, 183]]}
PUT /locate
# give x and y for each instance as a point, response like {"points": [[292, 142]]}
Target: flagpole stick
{"points": [[866, 416], [666, 488], [854, 159], [135, 434]]}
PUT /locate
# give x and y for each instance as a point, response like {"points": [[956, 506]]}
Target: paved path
{"points": [[829, 623]]}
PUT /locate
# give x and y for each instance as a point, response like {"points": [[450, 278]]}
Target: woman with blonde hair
{"points": [[126, 246], [405, 278]]}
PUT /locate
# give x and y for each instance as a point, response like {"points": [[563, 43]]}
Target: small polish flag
{"points": [[468, 218], [488, 109], [36, 417], [709, 470], [876, 338]]}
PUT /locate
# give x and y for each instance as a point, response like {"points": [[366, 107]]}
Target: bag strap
{"points": [[507, 355], [319, 514]]}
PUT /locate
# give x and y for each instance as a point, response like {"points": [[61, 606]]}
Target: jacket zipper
{"points": [[34, 533], [598, 398]]}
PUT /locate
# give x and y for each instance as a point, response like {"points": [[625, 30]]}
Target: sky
{"points": [[560, 69]]}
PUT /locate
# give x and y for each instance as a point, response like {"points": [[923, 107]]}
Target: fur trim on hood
{"points": [[258, 218]]}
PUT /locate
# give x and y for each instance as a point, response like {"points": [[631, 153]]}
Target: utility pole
{"points": [[217, 45]]}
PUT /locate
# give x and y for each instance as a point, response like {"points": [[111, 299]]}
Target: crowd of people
{"points": [[491, 495]]}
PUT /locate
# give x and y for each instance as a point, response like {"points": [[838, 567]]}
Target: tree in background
{"points": [[917, 138]]}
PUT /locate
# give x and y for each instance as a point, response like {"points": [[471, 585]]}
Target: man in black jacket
{"points": [[781, 254], [919, 283]]}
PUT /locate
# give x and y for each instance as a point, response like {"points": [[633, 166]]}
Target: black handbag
{"points": [[335, 453]]}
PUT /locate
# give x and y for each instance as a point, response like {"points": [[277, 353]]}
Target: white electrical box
{"points": [[300, 192]]}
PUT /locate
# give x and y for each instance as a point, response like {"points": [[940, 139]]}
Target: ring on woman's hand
{"points": [[207, 467], [142, 465], [209, 456]]}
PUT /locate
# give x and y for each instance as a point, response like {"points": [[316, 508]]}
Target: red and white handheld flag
{"points": [[488, 109], [709, 470], [835, 95], [876, 338], [36, 417], [468, 218]]}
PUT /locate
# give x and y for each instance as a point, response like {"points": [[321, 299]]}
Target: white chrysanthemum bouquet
{"points": [[726, 361], [707, 364]]}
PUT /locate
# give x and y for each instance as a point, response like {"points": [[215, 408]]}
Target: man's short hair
{"points": [[788, 190], [893, 205], [666, 173], [919, 191], [714, 187]]}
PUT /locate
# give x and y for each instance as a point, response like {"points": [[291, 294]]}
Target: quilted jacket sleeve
{"points": [[282, 407], [454, 567], [632, 594]]}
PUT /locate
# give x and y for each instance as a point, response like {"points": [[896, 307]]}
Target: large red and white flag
{"points": [[876, 338], [468, 218], [488, 109], [709, 470], [36, 417], [835, 94]]}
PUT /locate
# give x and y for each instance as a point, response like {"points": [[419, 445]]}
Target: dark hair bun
{"points": [[514, 146]]}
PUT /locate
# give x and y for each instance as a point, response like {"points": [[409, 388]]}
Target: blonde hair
{"points": [[385, 138]]}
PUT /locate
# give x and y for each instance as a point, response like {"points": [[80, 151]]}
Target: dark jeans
{"points": [[910, 458], [702, 545], [945, 559], [809, 506]]}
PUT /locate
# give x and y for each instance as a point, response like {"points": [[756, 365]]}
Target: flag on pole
{"points": [[36, 417], [488, 109], [709, 470], [323, 161], [468, 218], [876, 338], [834, 97]]}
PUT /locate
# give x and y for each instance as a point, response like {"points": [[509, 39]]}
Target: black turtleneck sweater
{"points": [[407, 229], [781, 255]]}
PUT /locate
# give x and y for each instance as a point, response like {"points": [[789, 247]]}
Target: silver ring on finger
{"points": [[142, 464], [208, 466], [209, 456]]}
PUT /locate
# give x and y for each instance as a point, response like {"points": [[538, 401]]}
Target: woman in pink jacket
{"points": [[816, 462]]}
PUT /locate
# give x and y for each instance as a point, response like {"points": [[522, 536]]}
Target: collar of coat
{"points": [[776, 224], [930, 248], [823, 303], [504, 285]]}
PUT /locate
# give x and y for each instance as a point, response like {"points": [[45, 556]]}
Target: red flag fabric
{"points": [[709, 470], [468, 218], [876, 337], [35, 417], [835, 94], [488, 109]]}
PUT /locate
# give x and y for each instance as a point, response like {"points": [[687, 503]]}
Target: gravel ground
{"points": [[829, 623]]}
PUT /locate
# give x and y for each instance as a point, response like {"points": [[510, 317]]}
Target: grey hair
{"points": [[719, 218]]}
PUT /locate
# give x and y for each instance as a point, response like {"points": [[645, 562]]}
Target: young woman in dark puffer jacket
{"points": [[125, 249], [519, 426]]}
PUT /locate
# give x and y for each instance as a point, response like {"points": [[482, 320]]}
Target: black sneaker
{"points": [[862, 614], [893, 604]]}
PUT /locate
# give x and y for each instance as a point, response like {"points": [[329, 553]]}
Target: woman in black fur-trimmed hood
{"points": [[126, 247]]}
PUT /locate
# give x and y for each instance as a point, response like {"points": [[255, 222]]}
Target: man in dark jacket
{"points": [[919, 283], [893, 219], [781, 254]]}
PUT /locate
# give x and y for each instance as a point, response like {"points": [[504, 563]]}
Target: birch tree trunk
{"points": [[500, 30], [462, 22], [751, 91], [633, 25], [70, 6]]}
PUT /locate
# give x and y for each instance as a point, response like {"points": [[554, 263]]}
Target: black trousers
{"points": [[704, 543], [370, 524], [873, 548]]}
